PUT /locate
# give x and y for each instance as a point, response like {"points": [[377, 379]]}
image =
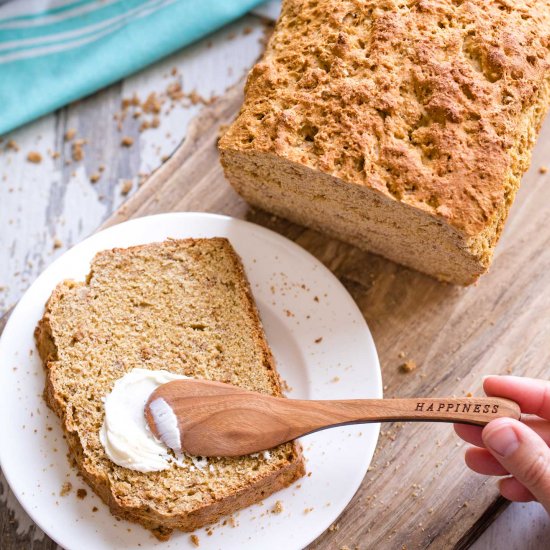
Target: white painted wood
{"points": [[39, 203], [519, 527]]}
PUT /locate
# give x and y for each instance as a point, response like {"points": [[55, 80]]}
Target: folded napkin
{"points": [[53, 52]]}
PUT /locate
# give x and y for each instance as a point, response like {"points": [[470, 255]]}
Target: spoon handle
{"points": [[469, 410]]}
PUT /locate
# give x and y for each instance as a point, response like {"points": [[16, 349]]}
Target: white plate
{"points": [[300, 302]]}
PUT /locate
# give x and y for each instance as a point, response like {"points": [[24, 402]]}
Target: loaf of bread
{"points": [[400, 126], [184, 306]]}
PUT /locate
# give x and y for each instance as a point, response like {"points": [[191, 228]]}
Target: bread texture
{"points": [[400, 126], [183, 306]]}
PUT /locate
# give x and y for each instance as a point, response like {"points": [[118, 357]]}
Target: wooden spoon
{"points": [[213, 419]]}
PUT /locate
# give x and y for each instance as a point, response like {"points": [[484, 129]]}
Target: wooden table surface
{"points": [[47, 207]]}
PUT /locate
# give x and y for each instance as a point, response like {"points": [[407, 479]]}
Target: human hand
{"points": [[507, 447]]}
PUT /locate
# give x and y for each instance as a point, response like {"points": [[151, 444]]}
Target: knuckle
{"points": [[537, 472]]}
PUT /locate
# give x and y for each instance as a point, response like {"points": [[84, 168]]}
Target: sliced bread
{"points": [[184, 306]]}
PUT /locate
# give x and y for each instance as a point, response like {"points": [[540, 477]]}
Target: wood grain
{"points": [[217, 419], [455, 335]]}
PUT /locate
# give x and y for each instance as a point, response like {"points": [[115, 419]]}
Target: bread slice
{"points": [[183, 306], [400, 127]]}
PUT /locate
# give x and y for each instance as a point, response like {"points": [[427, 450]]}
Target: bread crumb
{"points": [[101, 168], [95, 509], [34, 157], [57, 243], [336, 379], [308, 510], [408, 366], [152, 104], [195, 540], [94, 178], [543, 169], [318, 340], [469, 394], [81, 493], [126, 187], [12, 145], [127, 141], [76, 149], [401, 355], [70, 134], [277, 507], [334, 527], [247, 30], [66, 489], [194, 97]]}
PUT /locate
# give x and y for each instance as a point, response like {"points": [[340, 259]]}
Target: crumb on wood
{"points": [[127, 141], [126, 187], [35, 157], [334, 527], [66, 488], [408, 366], [194, 97], [152, 104], [77, 151], [195, 540], [81, 493], [401, 355], [70, 134], [12, 145], [277, 508]]}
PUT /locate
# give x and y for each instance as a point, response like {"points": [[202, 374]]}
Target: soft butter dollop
{"points": [[125, 435]]}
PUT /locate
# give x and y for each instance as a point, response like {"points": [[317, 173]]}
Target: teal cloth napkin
{"points": [[53, 52]]}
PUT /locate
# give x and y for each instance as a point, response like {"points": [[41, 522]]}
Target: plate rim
{"points": [[271, 234]]}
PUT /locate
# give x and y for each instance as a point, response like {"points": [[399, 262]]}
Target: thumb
{"points": [[523, 453]]}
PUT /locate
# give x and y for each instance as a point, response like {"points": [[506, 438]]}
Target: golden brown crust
{"points": [[64, 326], [431, 103]]}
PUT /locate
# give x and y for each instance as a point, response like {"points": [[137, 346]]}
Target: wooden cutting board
{"points": [[417, 493]]}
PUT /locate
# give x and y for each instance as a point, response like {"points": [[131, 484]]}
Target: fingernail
{"points": [[502, 440], [489, 376]]}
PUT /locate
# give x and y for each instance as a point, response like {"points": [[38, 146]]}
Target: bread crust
{"points": [[159, 522]]}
